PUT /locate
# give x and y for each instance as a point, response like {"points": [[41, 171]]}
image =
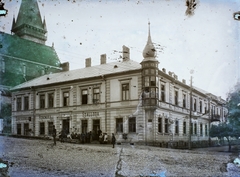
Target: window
{"points": [[176, 127], [195, 128], [26, 103], [96, 95], [42, 101], [3, 66], [84, 96], [119, 124], [125, 91], [194, 104], [132, 124], [146, 81], [19, 104], [206, 130], [50, 128], [176, 97], [163, 93], [184, 100], [50, 100], [65, 98], [184, 127], [153, 80], [200, 106], [166, 125], [42, 128], [160, 125], [201, 129], [191, 128]]}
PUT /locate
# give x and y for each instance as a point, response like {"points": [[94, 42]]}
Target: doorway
{"points": [[84, 126], [65, 125], [26, 128], [95, 130]]}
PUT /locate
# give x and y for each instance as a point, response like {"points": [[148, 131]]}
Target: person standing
{"points": [[113, 140], [54, 134]]}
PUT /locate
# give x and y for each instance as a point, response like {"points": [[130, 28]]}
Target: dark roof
{"points": [[14, 46], [83, 73]]}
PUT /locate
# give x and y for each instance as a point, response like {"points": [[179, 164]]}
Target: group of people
{"points": [[83, 137]]}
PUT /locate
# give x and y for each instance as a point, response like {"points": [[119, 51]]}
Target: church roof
{"points": [[25, 50], [83, 73]]}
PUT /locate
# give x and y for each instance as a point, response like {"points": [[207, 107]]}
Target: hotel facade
{"points": [[138, 102]]}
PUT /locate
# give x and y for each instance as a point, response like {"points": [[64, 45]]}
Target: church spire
{"points": [[149, 50], [29, 24]]}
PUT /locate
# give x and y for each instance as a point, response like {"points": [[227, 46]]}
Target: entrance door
{"points": [[96, 127], [26, 128], [65, 126], [84, 126], [19, 129]]}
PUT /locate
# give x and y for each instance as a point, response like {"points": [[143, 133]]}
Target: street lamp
{"points": [[190, 114]]}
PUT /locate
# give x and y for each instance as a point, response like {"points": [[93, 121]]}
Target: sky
{"points": [[206, 42]]}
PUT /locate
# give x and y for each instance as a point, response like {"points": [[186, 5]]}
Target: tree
{"points": [[230, 129]]}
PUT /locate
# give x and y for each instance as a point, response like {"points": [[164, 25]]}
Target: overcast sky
{"points": [[207, 42]]}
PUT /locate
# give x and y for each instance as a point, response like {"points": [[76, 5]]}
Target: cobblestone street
{"points": [[28, 158]]}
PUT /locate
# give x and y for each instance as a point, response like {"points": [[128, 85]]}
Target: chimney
{"points": [[103, 59], [88, 62], [184, 81], [65, 66], [126, 53]]}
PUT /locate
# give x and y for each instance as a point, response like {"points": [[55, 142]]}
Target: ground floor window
{"points": [[132, 124], [206, 130], [195, 128], [42, 128], [50, 128], [184, 127], [119, 124], [201, 130], [160, 125], [19, 129], [166, 125], [176, 127]]}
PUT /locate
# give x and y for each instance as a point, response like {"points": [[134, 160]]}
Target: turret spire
{"points": [[149, 50]]}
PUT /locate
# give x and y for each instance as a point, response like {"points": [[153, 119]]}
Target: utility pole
{"points": [[190, 115]]}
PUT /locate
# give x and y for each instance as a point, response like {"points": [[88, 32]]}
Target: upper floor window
{"points": [[194, 104], [200, 106], [132, 124], [50, 100], [153, 81], [96, 95], [26, 103], [163, 93], [176, 97], [84, 96], [160, 125], [184, 100], [125, 91], [65, 98], [42, 101], [119, 124], [19, 103]]}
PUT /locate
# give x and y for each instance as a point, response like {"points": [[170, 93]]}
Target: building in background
{"points": [[24, 55], [138, 102]]}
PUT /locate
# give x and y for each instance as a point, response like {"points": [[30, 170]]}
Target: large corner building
{"points": [[138, 100]]}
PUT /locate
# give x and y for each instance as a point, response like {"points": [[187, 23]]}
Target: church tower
{"points": [[29, 24]]}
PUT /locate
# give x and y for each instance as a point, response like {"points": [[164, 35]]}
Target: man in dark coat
{"points": [[113, 140], [54, 134]]}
